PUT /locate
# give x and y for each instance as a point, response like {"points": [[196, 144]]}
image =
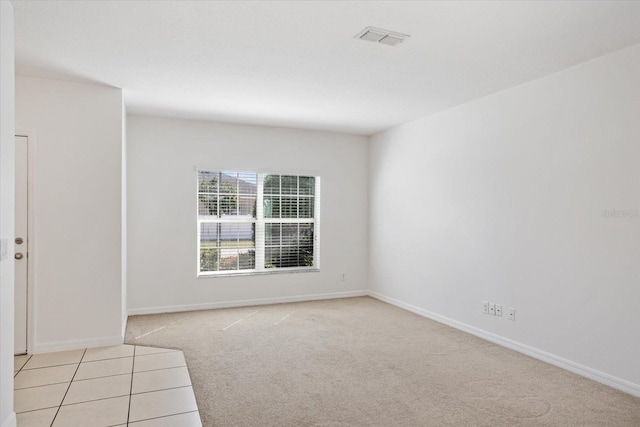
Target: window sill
{"points": [[217, 274]]}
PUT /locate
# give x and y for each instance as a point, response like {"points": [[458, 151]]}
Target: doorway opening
{"points": [[21, 244]]}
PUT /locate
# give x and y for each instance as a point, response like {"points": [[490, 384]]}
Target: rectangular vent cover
{"points": [[378, 35]]}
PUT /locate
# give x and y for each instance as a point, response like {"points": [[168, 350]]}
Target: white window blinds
{"points": [[257, 222]]}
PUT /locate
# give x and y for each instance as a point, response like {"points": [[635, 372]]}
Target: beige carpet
{"points": [[361, 362]]}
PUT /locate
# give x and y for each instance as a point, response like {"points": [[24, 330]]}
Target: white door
{"points": [[21, 239]]}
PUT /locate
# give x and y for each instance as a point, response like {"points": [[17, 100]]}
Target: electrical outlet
{"points": [[485, 307], [512, 314], [499, 310], [492, 309]]}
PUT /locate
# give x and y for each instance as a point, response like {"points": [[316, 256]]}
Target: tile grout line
{"points": [[15, 374], [94, 400], [158, 354], [46, 367], [96, 378], [40, 385], [161, 369], [70, 382], [101, 377], [167, 416], [36, 410], [114, 397], [78, 380], [130, 394], [106, 358], [106, 398], [133, 367], [163, 389]]}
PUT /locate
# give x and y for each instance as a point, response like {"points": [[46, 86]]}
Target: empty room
{"points": [[319, 213]]}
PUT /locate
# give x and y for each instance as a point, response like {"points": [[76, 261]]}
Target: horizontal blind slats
{"points": [[229, 218]]}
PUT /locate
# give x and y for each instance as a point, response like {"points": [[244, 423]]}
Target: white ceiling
{"points": [[297, 64]]}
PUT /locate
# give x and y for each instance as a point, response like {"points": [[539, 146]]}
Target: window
{"points": [[256, 222]]}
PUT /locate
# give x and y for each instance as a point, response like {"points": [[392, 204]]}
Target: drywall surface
{"points": [[7, 173], [76, 134], [529, 198], [123, 218], [162, 182]]}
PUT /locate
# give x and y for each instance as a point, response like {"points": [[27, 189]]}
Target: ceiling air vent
{"points": [[378, 35]]}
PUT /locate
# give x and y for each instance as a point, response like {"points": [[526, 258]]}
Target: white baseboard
{"points": [[125, 319], [576, 368], [76, 344], [11, 421], [245, 303]]}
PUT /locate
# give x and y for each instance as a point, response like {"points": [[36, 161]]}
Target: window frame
{"points": [[260, 226]]}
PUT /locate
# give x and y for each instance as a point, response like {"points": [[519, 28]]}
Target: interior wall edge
{"points": [[560, 362], [7, 210]]}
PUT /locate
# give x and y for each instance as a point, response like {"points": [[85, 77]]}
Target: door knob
{"points": [[18, 255], [19, 240]]}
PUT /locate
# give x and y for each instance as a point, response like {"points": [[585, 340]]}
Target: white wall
{"points": [[502, 199], [123, 219], [7, 145], [76, 132], [162, 154]]}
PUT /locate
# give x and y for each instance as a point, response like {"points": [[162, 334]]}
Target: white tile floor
{"points": [[119, 386]]}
